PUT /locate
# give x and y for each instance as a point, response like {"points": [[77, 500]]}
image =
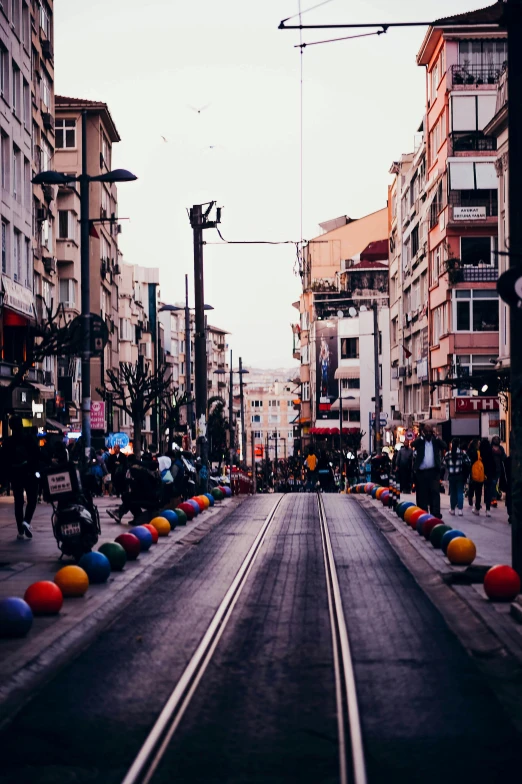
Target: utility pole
{"points": [[378, 434], [199, 221], [86, 294], [188, 362], [254, 473], [513, 15], [231, 419], [242, 410]]}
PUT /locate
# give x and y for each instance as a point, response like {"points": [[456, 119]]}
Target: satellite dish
{"points": [[340, 314], [363, 308], [352, 312]]}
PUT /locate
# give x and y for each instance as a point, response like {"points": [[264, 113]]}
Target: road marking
{"points": [[152, 751], [345, 690]]}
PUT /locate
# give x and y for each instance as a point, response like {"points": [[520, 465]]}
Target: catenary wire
{"points": [[300, 13], [333, 40]]}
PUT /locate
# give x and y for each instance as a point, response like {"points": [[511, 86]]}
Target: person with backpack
{"points": [[457, 463], [311, 469], [499, 456], [20, 464], [427, 463], [482, 469]]}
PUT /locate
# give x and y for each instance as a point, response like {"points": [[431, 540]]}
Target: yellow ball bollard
{"points": [[162, 525]]}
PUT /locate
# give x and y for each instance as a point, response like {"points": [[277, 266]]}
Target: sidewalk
{"points": [[29, 662]]}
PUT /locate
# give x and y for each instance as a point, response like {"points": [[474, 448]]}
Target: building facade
{"points": [[269, 418]]}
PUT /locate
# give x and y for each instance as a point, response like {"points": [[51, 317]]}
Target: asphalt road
{"points": [[265, 708]]}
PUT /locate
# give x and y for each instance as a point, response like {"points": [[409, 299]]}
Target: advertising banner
{"points": [[326, 360], [98, 415]]}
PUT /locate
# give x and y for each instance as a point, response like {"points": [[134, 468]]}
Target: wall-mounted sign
{"points": [[17, 297], [118, 439], [98, 415], [467, 405], [469, 213]]}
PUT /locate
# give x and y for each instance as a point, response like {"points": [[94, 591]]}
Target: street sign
{"points": [[118, 439], [97, 415], [98, 334]]}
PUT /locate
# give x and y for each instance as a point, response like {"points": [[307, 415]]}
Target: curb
{"points": [[491, 639], [35, 671]]}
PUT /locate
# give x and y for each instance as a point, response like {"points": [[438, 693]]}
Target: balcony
{"points": [[473, 206], [474, 75], [470, 273], [472, 141]]}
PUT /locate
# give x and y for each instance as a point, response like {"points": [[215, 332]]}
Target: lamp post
{"points": [[56, 178], [222, 372]]}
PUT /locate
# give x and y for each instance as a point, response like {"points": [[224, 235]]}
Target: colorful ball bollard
{"points": [[421, 520], [414, 516], [195, 506], [226, 491], [187, 509], [409, 512], [181, 515], [401, 508], [115, 554], [385, 497], [200, 502], [461, 551], [217, 494], [145, 537], [172, 517], [162, 525], [210, 498], [501, 583], [131, 545], [153, 532], [374, 491], [206, 502], [380, 491], [437, 533], [73, 581], [44, 598], [448, 536], [97, 566], [368, 487], [428, 527], [16, 617]]}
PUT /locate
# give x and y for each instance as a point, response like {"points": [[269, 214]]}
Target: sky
{"points": [[155, 63]]}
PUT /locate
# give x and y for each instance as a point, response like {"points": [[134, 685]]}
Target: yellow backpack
{"points": [[477, 469]]}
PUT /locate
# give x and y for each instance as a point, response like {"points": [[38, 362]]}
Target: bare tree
{"points": [[135, 389], [172, 403]]}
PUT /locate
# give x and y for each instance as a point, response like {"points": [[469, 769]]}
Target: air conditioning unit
{"points": [[47, 50], [49, 264], [48, 121], [402, 372]]}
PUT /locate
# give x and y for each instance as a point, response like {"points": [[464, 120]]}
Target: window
{"points": [[67, 293], [256, 403], [354, 415], [15, 16], [274, 403], [27, 263], [17, 255], [25, 25], [65, 133], [105, 150], [476, 250], [17, 174], [45, 90], [45, 19], [258, 434], [27, 184], [4, 72], [4, 246], [26, 105], [466, 364], [351, 383], [16, 89], [415, 241], [440, 325], [472, 175], [256, 418], [476, 310], [66, 225], [305, 391], [483, 54], [472, 112], [274, 418], [349, 348], [4, 151], [46, 155]]}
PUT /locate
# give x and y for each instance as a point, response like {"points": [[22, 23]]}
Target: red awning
{"points": [[375, 251]]}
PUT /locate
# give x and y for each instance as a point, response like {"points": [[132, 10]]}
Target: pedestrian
{"points": [[427, 464], [482, 473], [117, 467], [311, 469], [490, 484], [499, 456], [458, 465], [403, 464], [20, 464]]}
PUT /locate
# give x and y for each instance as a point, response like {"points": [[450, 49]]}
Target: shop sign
{"points": [[118, 439], [469, 213], [17, 297], [468, 405], [97, 415]]}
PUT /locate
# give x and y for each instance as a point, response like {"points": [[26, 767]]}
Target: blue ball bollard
{"points": [[420, 522], [171, 516], [16, 617], [210, 498], [145, 537], [448, 536], [97, 566]]}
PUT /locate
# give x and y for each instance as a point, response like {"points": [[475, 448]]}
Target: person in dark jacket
{"points": [[403, 464], [144, 491], [20, 464], [458, 465], [117, 467], [429, 451]]}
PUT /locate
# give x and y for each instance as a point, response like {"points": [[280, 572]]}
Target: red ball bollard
{"points": [[501, 583]]}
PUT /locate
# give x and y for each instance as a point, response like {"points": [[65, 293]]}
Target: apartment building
{"points": [[464, 57], [23, 28], [333, 290], [269, 418], [409, 344], [103, 246]]}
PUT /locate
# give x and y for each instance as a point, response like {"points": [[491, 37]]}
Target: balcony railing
{"points": [[486, 273], [472, 141], [475, 75], [484, 200]]}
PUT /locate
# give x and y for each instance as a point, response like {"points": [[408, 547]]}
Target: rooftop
{"points": [[478, 21], [95, 107]]}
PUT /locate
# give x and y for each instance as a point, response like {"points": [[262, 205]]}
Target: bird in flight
{"points": [[200, 109], [165, 140]]}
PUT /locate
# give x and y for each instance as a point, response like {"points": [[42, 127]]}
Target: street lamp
{"points": [[222, 372], [57, 178], [188, 349]]}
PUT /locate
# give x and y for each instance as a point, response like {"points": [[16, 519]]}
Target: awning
{"points": [[349, 404], [53, 426], [18, 298], [472, 175], [347, 372], [45, 392]]}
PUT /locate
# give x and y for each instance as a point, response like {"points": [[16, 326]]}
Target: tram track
{"points": [[350, 747]]}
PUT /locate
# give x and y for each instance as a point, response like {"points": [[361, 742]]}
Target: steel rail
{"points": [[152, 751], [345, 690]]}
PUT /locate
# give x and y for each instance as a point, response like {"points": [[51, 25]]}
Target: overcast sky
{"points": [[152, 61]]}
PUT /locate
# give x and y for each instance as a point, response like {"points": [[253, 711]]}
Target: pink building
{"points": [[464, 58]]}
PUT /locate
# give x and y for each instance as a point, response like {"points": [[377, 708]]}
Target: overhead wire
{"points": [[312, 8], [333, 40]]}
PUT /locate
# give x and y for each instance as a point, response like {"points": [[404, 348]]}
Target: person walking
{"points": [[482, 473], [403, 460], [499, 456], [490, 483], [311, 469], [458, 466], [427, 464], [20, 461]]}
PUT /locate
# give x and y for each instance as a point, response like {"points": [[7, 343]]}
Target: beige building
{"points": [[269, 418], [104, 256]]}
